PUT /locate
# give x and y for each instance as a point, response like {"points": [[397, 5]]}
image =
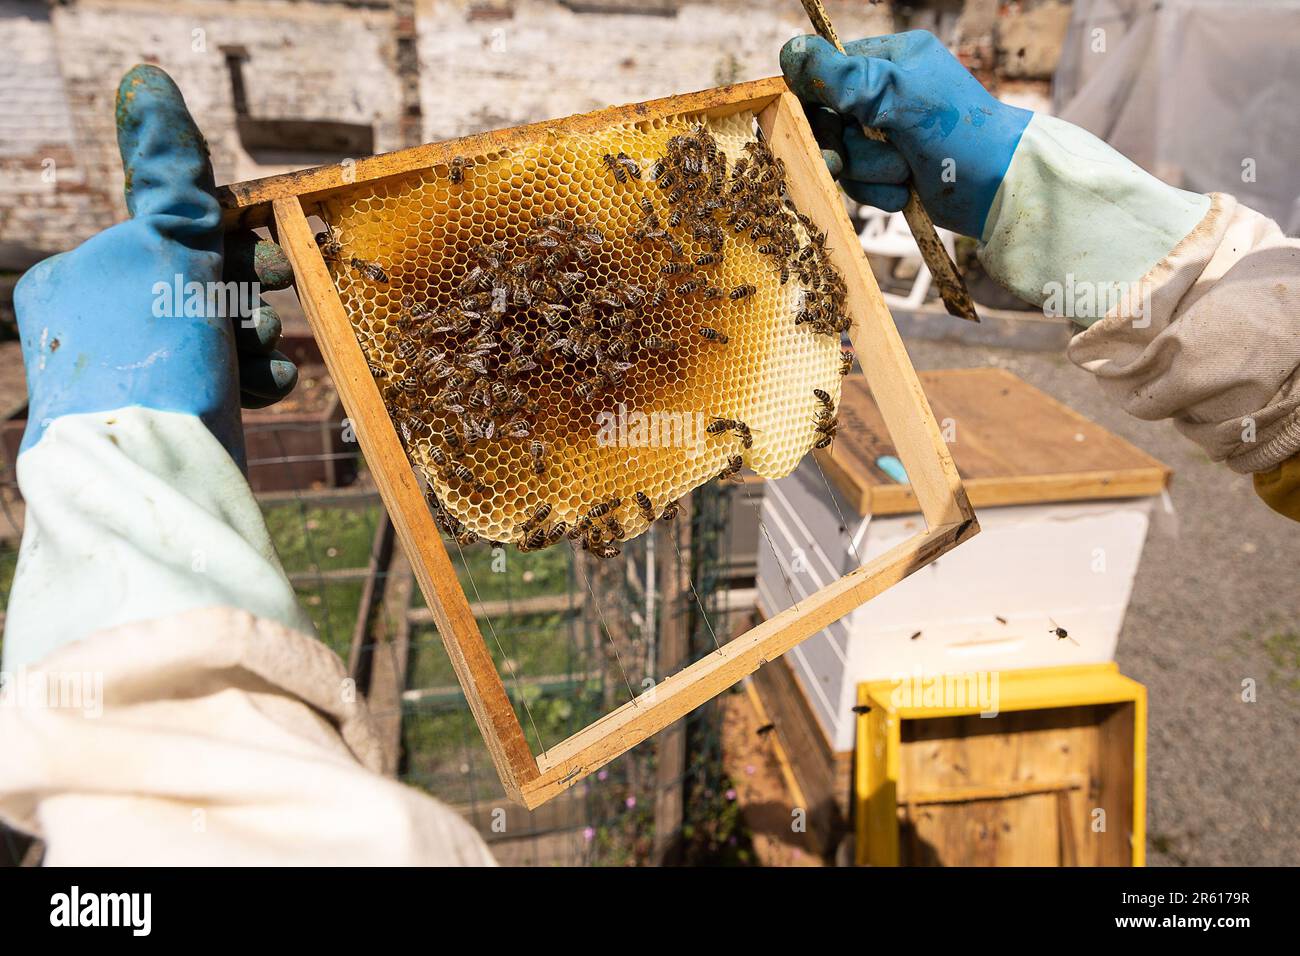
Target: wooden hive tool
{"points": [[944, 271]]}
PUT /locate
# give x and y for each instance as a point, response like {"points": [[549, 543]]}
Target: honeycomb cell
{"points": [[589, 327]]}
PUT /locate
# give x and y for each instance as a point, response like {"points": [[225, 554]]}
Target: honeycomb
{"points": [[572, 334]]}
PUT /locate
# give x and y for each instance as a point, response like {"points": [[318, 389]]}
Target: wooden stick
{"points": [[951, 285], [248, 203], [405, 502]]}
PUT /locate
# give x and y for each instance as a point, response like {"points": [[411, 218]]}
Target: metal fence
{"points": [[573, 638]]}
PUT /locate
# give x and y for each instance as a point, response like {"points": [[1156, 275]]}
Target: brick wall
{"points": [[483, 64], [489, 65], [316, 59], [45, 195]]}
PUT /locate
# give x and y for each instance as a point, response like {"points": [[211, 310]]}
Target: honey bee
{"points": [[826, 429], [677, 268], [462, 323], [708, 259], [824, 397], [371, 270], [734, 464], [712, 335], [518, 365], [533, 540], [721, 425], [378, 371], [676, 196], [686, 288], [604, 549], [540, 514], [656, 344], [603, 508], [462, 473], [416, 313], [330, 242], [615, 529], [645, 506], [846, 362], [629, 164], [670, 511], [588, 388], [741, 292], [615, 167], [456, 171], [537, 452]]}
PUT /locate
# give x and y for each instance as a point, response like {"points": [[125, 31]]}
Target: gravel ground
{"points": [[1215, 604]]}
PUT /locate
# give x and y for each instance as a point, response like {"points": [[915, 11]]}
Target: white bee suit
{"points": [[165, 700]]}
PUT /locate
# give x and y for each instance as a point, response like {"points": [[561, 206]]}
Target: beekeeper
{"points": [[166, 700], [213, 726], [1190, 304]]}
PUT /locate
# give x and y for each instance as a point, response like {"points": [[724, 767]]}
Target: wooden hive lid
{"points": [[1014, 445]]}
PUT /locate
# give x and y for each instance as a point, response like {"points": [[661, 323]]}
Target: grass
{"points": [[498, 574], [1282, 648], [324, 538]]}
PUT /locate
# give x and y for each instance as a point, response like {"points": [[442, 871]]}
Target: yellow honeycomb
{"points": [[408, 253]]}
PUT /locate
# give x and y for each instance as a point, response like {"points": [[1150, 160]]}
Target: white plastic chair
{"points": [[886, 234]]}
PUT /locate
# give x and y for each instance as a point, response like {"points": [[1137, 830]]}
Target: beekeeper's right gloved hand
{"points": [[1046, 199]]}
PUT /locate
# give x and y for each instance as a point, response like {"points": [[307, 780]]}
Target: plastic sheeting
{"points": [[1202, 93]]}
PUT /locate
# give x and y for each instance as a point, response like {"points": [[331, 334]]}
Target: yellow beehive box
{"points": [[1057, 777]]}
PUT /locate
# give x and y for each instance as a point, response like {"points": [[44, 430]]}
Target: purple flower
{"points": [[631, 802], [589, 834], [731, 794]]}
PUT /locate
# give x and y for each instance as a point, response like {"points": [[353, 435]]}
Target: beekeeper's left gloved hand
{"points": [[1049, 202], [131, 465], [947, 134], [143, 314]]}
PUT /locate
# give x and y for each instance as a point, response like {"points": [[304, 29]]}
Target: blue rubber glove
{"points": [[101, 326], [946, 132]]}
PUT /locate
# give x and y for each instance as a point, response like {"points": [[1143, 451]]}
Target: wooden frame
{"points": [[286, 202]]}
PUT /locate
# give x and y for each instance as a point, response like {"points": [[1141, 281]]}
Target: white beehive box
{"points": [[1064, 508]]}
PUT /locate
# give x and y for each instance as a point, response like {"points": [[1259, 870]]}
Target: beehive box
{"points": [[458, 239], [1040, 767], [1065, 507]]}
